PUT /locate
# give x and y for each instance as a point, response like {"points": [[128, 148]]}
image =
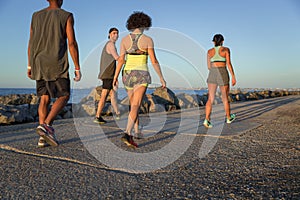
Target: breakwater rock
{"points": [[17, 108]]}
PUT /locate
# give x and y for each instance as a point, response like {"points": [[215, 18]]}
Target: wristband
{"points": [[77, 70], [28, 67]]}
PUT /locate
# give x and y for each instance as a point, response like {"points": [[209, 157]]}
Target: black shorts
{"points": [[107, 84], [60, 87]]}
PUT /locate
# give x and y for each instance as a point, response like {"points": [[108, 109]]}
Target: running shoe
{"points": [[138, 135], [118, 116], [42, 143], [48, 133], [100, 120], [231, 119], [207, 124], [128, 140]]}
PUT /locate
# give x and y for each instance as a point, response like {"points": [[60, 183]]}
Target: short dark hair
{"points": [[138, 20], [218, 39], [111, 30]]}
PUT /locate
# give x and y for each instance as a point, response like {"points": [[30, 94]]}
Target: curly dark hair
{"points": [[138, 20]]}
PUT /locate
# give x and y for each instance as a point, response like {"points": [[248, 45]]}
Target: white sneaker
{"points": [[42, 142]]}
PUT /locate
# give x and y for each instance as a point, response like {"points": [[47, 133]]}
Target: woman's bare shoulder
{"points": [[146, 37], [225, 48], [125, 38], [211, 51]]}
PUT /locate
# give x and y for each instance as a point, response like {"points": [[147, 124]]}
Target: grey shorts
{"points": [[218, 75], [60, 87]]}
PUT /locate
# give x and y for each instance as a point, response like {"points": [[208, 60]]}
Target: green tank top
{"points": [[217, 57]]}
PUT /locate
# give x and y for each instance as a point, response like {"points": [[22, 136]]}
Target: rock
{"points": [[296, 92], [88, 105], [79, 111], [202, 99], [239, 97], [97, 94], [170, 107], [187, 101], [18, 99], [90, 97], [276, 94], [67, 115], [145, 105], [235, 92], [87, 109], [252, 96], [10, 114], [165, 96], [153, 105], [21, 108]]}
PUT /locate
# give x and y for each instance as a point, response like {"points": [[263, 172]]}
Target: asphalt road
{"points": [[255, 157]]}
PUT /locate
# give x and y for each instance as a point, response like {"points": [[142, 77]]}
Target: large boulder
{"points": [[253, 96], [88, 105], [187, 101], [153, 105], [166, 97], [124, 105]]}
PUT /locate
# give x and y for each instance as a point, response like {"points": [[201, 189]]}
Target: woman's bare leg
{"points": [[225, 91], [135, 98], [212, 88], [114, 101]]}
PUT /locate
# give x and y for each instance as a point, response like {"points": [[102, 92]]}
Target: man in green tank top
{"points": [[51, 35]]}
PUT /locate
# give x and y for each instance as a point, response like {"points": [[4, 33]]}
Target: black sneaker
{"points": [[128, 140], [100, 120], [138, 135]]}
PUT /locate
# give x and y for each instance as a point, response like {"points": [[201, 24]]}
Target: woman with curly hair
{"points": [[134, 51]]}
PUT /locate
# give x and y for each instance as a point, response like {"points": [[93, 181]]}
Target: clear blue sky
{"points": [[263, 35]]}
